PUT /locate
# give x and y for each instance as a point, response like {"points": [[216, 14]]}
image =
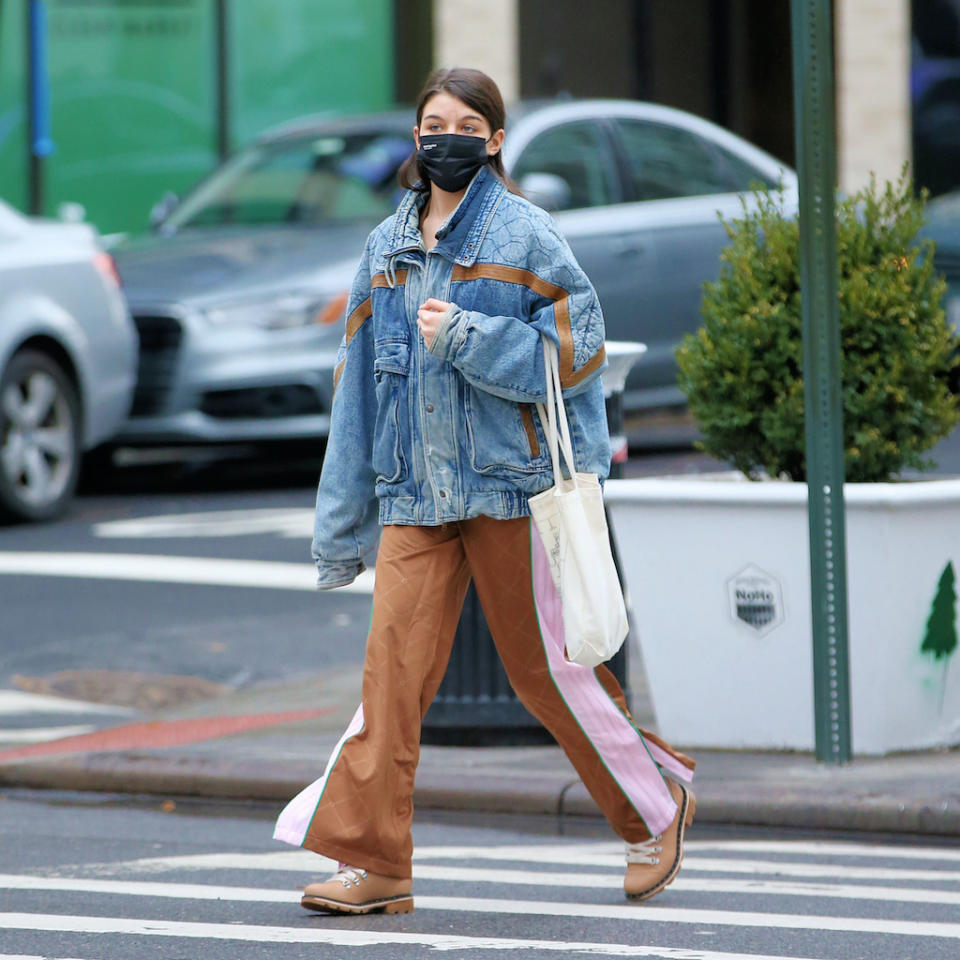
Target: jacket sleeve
{"points": [[503, 355], [346, 522]]}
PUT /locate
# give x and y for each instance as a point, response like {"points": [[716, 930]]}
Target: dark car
{"points": [[943, 228]]}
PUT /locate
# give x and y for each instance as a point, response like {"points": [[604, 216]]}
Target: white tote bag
{"points": [[571, 522]]}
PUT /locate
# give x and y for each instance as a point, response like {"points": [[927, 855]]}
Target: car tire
{"points": [[40, 444]]}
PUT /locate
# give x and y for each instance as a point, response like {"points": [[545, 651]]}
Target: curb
{"points": [[134, 773]]}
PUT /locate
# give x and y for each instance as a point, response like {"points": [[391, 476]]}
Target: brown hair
{"points": [[479, 93]]}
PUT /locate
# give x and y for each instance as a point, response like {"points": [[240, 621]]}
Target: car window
{"points": [[741, 174], [579, 154], [300, 180], [667, 162]]}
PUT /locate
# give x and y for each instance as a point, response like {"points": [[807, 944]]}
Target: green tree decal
{"points": [[940, 640]]}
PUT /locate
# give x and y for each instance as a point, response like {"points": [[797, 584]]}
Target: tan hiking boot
{"points": [[653, 864], [352, 890]]}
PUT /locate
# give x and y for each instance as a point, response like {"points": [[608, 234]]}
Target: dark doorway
{"points": [[725, 60]]}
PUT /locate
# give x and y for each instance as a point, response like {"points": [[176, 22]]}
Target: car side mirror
{"points": [[546, 190], [163, 208], [71, 212]]}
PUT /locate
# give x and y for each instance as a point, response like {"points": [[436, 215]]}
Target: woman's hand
{"points": [[429, 317]]}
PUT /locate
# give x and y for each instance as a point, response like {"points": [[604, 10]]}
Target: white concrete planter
{"points": [[717, 572]]}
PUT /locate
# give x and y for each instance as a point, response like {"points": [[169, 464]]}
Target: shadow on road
{"points": [[280, 466]]}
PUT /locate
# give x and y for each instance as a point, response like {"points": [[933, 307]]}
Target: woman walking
{"points": [[434, 437]]}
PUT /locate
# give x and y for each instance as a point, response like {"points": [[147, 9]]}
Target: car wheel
{"points": [[39, 438]]}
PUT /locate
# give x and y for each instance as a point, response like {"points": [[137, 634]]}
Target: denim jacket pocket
{"points": [[391, 432], [503, 441]]}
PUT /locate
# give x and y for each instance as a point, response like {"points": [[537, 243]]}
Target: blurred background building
{"points": [[146, 96]]}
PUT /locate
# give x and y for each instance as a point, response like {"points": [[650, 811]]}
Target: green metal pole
{"points": [[817, 166]]}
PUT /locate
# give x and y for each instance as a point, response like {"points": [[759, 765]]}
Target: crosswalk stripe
{"points": [[827, 890], [593, 881], [828, 848], [631, 913], [702, 918], [611, 854], [835, 870], [21, 702], [22, 956], [43, 734], [301, 861], [683, 884], [59, 923], [156, 568]]}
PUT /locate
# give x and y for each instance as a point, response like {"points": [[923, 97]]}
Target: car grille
{"points": [[283, 400], [159, 348]]}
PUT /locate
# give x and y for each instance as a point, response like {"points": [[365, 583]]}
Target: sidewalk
{"points": [[267, 743]]}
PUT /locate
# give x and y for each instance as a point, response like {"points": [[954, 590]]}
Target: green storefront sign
{"points": [[146, 94]]}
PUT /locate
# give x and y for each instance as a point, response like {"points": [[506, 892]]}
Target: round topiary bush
{"points": [[742, 371]]}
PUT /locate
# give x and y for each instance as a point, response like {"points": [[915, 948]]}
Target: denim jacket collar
{"points": [[458, 239]]}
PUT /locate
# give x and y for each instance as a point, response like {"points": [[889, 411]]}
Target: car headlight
{"points": [[280, 312]]}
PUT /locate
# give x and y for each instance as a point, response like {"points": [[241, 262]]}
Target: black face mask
{"points": [[451, 159]]}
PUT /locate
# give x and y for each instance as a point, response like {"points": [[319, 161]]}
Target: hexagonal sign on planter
{"points": [[756, 600]]}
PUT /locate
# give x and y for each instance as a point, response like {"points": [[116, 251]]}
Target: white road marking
{"points": [[614, 881], [21, 956], [175, 891], [289, 522], [540, 908], [600, 853], [302, 861], [827, 848], [815, 870], [150, 568], [287, 861], [42, 734], [595, 881], [18, 702], [348, 938], [828, 891]]}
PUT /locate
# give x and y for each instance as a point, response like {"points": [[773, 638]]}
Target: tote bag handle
{"points": [[553, 416]]}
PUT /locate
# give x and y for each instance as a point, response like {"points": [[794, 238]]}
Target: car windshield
{"points": [[305, 179]]}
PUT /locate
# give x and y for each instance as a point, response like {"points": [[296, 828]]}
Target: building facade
{"points": [[147, 96]]}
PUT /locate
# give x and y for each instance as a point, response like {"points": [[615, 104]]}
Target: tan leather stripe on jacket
{"points": [[354, 322], [526, 412], [527, 278], [380, 279]]}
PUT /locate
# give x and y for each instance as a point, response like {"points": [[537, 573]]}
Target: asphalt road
{"points": [[96, 878], [72, 601], [146, 594], [155, 572]]}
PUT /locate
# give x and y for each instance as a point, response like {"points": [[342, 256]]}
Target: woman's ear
{"points": [[495, 142], [416, 136]]}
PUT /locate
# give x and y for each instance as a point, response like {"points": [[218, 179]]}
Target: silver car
{"points": [[238, 296], [68, 354]]}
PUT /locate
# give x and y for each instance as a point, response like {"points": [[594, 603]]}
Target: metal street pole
{"points": [[813, 85], [222, 29], [39, 141]]}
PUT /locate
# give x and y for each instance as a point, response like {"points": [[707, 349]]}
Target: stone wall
{"points": [[873, 89]]}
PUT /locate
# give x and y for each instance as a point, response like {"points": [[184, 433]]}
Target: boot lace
{"points": [[646, 851], [350, 876]]}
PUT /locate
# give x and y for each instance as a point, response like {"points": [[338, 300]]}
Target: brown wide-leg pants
{"points": [[360, 812]]}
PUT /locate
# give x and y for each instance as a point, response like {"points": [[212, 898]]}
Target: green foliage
{"points": [[742, 372], [940, 639]]}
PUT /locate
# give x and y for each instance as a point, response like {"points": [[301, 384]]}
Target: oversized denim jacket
{"points": [[427, 437]]}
